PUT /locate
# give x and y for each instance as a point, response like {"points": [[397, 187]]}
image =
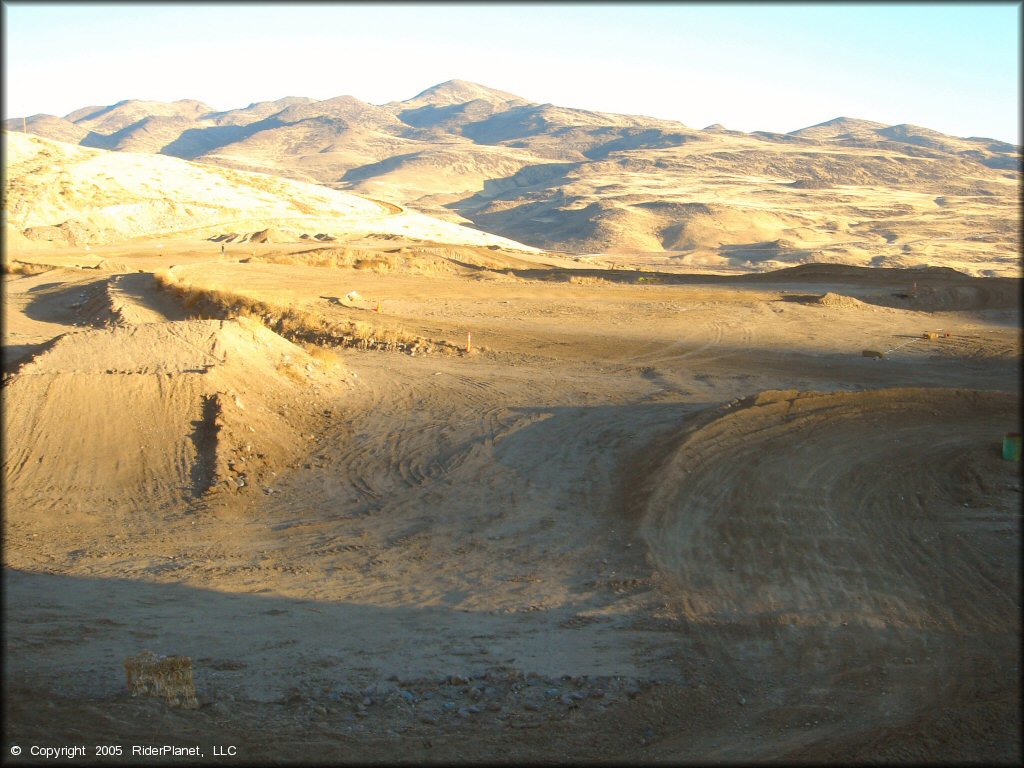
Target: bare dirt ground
{"points": [[650, 517]]}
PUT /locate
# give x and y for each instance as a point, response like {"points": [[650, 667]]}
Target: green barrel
{"points": [[1011, 446]]}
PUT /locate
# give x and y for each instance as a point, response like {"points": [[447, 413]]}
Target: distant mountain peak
{"points": [[837, 126], [461, 92], [845, 122], [285, 101]]}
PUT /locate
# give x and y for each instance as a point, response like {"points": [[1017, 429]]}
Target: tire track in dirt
{"points": [[449, 464], [866, 553], [835, 442]]}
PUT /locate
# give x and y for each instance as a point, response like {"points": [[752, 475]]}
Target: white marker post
{"points": [[469, 342]]}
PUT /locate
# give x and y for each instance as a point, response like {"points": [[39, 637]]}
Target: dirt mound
{"points": [[271, 235], [135, 298], [70, 232], [898, 486], [112, 266], [154, 415], [831, 299], [122, 300]]}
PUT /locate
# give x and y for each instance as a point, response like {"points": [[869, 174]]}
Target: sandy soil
{"points": [[650, 517]]}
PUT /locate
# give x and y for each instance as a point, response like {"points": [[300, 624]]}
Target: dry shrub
{"points": [[297, 325], [23, 268], [416, 260], [329, 258], [285, 259], [375, 265], [361, 330], [327, 357], [165, 278], [588, 280], [167, 676]]}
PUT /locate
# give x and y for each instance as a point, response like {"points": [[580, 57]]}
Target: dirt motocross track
{"points": [[649, 517]]}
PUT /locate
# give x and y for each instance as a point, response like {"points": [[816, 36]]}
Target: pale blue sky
{"points": [[770, 66]]}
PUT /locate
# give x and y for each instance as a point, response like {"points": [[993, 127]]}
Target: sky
{"points": [[767, 66]]}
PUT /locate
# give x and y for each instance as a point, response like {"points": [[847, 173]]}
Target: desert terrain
{"points": [[632, 188], [406, 490]]}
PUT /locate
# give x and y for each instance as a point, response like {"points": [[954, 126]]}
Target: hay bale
{"points": [[872, 353], [167, 676], [930, 335]]}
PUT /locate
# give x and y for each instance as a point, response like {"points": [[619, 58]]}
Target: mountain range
{"points": [[846, 190]]}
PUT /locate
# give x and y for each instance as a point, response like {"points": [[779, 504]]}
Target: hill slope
{"points": [[58, 192], [845, 190]]}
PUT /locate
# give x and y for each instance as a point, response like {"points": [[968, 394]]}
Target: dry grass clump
{"points": [[23, 268], [298, 325], [327, 357], [330, 258], [167, 676], [415, 260], [375, 265]]}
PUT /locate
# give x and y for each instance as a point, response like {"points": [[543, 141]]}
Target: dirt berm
{"points": [[154, 415], [866, 539]]}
